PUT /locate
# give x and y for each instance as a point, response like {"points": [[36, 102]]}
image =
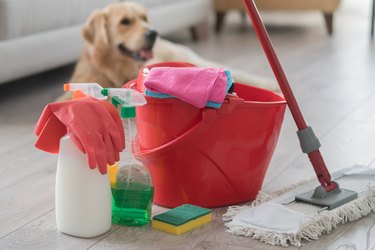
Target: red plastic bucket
{"points": [[210, 157]]}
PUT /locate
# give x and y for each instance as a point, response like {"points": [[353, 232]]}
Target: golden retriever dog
{"points": [[119, 40]]}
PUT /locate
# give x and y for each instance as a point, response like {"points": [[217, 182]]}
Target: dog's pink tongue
{"points": [[147, 54]]}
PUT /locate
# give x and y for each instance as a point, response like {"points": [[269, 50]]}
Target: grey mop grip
{"points": [[308, 140]]}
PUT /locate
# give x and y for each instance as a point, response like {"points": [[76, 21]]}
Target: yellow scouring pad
{"points": [[182, 219]]}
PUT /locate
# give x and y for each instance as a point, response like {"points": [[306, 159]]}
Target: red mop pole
{"points": [[313, 151]]}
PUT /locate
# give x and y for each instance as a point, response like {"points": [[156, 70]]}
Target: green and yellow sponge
{"points": [[182, 219]]}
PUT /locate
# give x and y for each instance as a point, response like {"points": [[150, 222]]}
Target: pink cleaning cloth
{"points": [[190, 84]]}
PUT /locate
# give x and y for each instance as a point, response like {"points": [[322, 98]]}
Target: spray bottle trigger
{"points": [[78, 94]]}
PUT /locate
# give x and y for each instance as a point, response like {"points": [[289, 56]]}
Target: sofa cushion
{"points": [[23, 17], [154, 3]]}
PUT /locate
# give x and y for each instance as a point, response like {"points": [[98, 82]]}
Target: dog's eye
{"points": [[145, 18], [125, 21]]}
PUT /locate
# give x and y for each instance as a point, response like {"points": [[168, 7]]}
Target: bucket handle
{"points": [[208, 117]]}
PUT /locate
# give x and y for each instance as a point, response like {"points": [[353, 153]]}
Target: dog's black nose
{"points": [[151, 35]]}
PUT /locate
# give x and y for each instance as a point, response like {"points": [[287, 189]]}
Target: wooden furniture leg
{"points": [[219, 21], [328, 17], [373, 18], [199, 31]]}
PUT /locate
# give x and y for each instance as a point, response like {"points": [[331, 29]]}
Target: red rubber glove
{"points": [[93, 125]]}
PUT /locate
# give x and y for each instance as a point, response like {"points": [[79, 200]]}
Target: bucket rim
{"points": [[249, 103], [280, 96]]}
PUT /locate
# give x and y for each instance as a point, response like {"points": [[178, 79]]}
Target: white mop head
{"points": [[314, 224]]}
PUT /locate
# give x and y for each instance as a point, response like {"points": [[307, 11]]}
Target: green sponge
{"points": [[182, 219]]}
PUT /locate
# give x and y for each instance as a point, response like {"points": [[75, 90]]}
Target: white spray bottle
{"points": [[82, 195], [131, 185]]}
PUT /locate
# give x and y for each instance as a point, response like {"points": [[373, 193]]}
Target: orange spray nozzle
{"points": [[85, 89]]}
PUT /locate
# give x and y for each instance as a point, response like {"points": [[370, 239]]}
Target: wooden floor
{"points": [[334, 82]]}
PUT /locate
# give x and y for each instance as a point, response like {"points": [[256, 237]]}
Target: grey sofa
{"points": [[38, 35]]}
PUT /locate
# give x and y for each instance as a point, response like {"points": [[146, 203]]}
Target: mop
{"points": [[276, 221]]}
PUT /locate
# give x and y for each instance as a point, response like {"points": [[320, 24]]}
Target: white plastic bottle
{"points": [[83, 195]]}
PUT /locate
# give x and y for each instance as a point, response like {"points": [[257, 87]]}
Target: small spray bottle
{"points": [[131, 185]]}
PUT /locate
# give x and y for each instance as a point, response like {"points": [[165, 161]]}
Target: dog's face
{"points": [[123, 28]]}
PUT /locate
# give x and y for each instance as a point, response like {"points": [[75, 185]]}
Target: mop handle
{"points": [[314, 154]]}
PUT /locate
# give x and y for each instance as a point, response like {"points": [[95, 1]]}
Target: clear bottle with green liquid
{"points": [[131, 185]]}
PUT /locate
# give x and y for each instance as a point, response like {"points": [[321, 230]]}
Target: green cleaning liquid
{"points": [[131, 184], [131, 203]]}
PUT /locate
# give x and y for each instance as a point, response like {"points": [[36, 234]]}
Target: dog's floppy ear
{"points": [[95, 29]]}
